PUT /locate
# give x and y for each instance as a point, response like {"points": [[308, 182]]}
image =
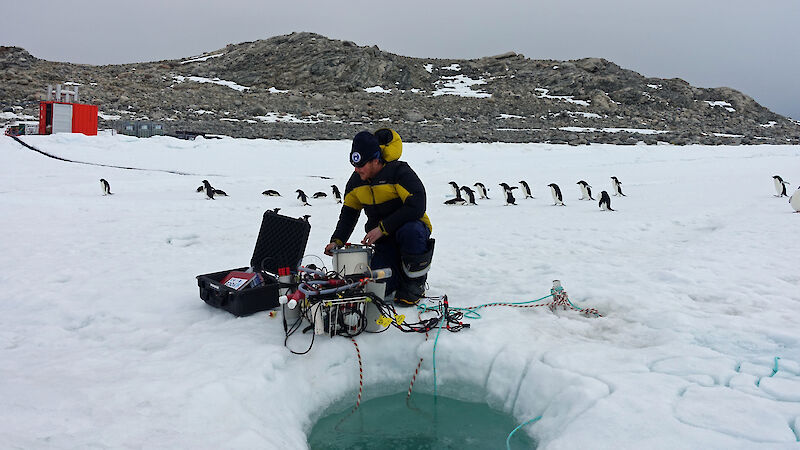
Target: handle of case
{"points": [[219, 298]]}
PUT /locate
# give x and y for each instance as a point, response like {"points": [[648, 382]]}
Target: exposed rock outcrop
{"points": [[306, 86]]}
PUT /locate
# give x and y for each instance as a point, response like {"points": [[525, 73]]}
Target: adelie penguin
{"points": [[794, 200], [526, 189], [208, 188], [605, 201], [586, 190], [319, 195], [458, 200], [106, 187], [455, 187], [617, 185], [302, 197], [556, 191], [510, 200], [336, 193], [482, 191], [210, 191], [470, 195], [271, 193], [780, 186]]}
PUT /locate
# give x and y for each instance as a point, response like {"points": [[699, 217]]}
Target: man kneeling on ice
{"points": [[393, 198]]}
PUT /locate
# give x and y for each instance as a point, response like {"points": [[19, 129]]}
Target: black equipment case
{"points": [[281, 243]]}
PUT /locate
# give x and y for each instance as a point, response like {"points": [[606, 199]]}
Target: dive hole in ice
{"points": [[422, 421]]}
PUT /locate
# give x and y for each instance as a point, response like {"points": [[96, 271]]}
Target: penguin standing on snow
{"points": [[556, 191], [271, 193], [336, 193], [794, 200], [470, 195], [617, 185], [586, 190], [106, 187], [482, 190], [510, 200], [208, 188], [456, 189], [780, 186], [605, 201], [458, 200], [526, 189], [302, 197], [210, 191]]}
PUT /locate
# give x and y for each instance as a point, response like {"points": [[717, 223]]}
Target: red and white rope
{"points": [[360, 376], [360, 385], [419, 364]]}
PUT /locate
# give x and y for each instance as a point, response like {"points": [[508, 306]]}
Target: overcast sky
{"points": [[751, 46]]}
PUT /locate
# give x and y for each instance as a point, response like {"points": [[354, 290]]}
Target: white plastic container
{"points": [[352, 260]]}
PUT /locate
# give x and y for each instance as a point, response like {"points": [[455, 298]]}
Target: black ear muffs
{"points": [[384, 136], [390, 143]]}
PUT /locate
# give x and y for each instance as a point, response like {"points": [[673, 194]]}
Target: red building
{"points": [[61, 113]]}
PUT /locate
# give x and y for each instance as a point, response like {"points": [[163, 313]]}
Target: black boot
{"points": [[412, 277]]}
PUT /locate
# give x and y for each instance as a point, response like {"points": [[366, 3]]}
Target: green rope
{"points": [[775, 368], [508, 439], [436, 341], [471, 312]]}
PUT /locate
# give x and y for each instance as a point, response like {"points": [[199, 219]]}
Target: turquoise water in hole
{"points": [[427, 423]]}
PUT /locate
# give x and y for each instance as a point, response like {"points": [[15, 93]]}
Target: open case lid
{"points": [[281, 242]]}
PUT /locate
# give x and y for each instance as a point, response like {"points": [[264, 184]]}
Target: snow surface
{"points": [[229, 84], [543, 93], [721, 103], [377, 90], [10, 115], [459, 85], [202, 58], [104, 342]]}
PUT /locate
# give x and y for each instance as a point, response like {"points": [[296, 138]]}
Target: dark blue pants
{"points": [[410, 239]]}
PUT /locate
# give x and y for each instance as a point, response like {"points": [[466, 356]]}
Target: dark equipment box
{"points": [[281, 243]]}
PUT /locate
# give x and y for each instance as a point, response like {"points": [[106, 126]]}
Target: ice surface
{"points": [[104, 341]]}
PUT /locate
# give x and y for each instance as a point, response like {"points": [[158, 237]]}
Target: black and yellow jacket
{"points": [[393, 197]]}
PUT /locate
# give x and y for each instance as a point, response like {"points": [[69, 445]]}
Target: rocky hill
{"points": [[306, 86]]}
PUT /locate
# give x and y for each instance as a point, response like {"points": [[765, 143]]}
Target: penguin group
{"points": [[211, 192], [464, 195], [303, 197]]}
